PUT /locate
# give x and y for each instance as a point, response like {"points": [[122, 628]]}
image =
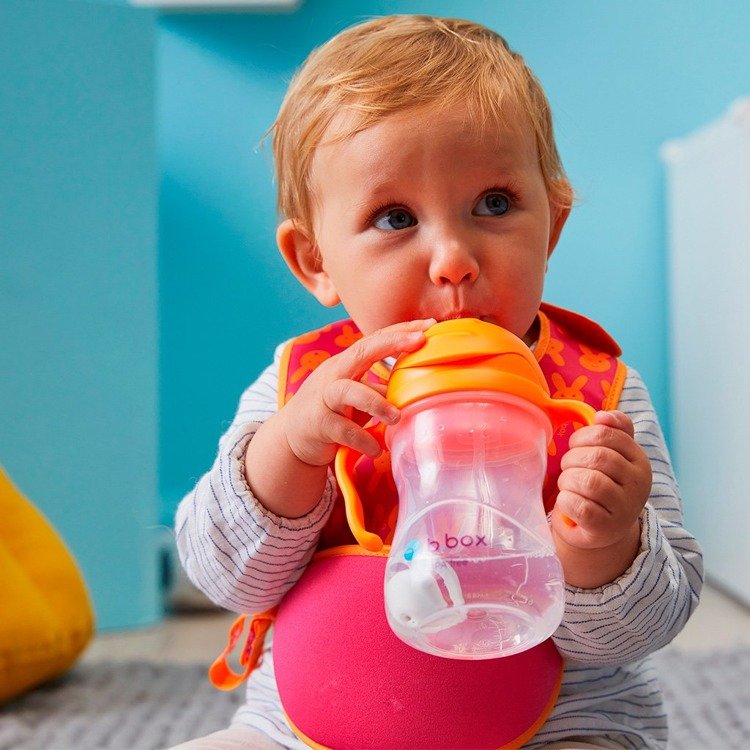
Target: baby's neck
{"points": [[531, 337]]}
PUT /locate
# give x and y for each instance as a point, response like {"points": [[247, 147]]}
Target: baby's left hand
{"points": [[604, 484]]}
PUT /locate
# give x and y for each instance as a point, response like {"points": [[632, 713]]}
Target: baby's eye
{"points": [[395, 218], [492, 204]]}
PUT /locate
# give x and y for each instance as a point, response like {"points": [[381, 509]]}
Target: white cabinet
{"points": [[708, 273]]}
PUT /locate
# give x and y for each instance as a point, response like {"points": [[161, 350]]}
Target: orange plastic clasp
{"points": [[222, 676]]}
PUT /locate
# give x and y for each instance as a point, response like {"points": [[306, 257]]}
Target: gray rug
{"points": [[708, 698], [144, 706], [118, 705]]}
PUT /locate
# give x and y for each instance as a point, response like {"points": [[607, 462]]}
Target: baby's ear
{"points": [[561, 197], [558, 216], [301, 253]]}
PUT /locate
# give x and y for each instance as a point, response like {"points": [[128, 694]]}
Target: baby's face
{"points": [[422, 216]]}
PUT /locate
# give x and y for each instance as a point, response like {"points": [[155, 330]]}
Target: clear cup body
{"points": [[472, 572]]}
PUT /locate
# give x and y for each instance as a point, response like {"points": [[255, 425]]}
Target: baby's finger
{"points": [[341, 396], [606, 436], [578, 518], [616, 419], [339, 430], [579, 509], [588, 487], [387, 342], [599, 458], [381, 388]]}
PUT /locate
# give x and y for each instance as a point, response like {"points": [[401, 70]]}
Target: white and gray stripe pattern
{"points": [[246, 558]]}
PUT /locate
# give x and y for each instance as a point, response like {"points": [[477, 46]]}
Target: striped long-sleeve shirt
{"points": [[245, 559]]}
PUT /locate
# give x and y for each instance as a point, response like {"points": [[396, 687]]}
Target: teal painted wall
{"points": [[140, 287], [622, 77], [227, 297], [78, 287]]}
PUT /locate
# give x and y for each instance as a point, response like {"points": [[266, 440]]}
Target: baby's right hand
{"points": [[321, 415]]}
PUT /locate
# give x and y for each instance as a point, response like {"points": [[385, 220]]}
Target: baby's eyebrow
{"points": [[378, 187]]}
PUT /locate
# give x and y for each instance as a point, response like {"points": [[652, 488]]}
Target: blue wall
{"points": [[622, 77], [226, 296], [78, 287], [140, 286]]}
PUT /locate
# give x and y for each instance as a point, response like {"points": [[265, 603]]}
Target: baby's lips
{"points": [[456, 315]]}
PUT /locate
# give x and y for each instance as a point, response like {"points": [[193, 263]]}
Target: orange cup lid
{"points": [[468, 354]]}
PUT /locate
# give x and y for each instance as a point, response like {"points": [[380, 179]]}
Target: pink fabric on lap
{"points": [[347, 682]]}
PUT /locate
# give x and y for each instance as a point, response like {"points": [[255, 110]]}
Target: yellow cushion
{"points": [[46, 618]]}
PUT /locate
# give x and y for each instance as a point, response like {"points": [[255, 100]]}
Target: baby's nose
{"points": [[453, 262]]}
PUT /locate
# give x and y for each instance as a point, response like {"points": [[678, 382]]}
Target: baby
{"points": [[419, 181]]}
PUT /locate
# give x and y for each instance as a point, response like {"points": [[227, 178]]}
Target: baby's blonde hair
{"points": [[395, 63]]}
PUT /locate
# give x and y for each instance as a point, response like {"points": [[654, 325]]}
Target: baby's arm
{"points": [[643, 608], [243, 557]]}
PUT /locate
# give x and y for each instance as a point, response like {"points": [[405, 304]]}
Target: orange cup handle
{"points": [[569, 410], [562, 410], [346, 458]]}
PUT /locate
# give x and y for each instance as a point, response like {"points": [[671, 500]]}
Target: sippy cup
{"points": [[472, 571]]}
